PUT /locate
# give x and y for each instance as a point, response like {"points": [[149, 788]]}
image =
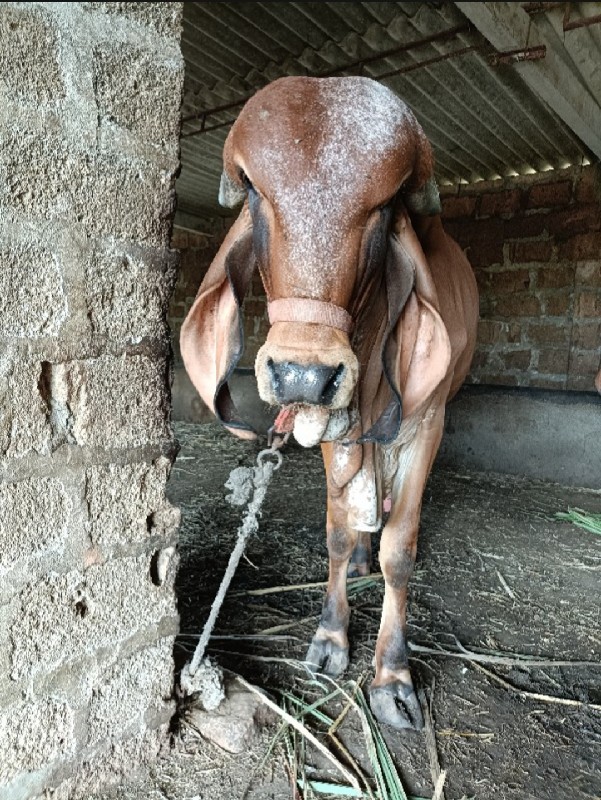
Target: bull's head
{"points": [[327, 169]]}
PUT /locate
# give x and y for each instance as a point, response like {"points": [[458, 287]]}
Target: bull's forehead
{"points": [[344, 136], [323, 151]]}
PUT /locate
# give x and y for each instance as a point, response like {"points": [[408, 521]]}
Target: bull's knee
{"points": [[340, 543], [397, 567]]}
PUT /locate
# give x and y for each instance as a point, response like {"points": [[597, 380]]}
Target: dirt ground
{"points": [[496, 573]]}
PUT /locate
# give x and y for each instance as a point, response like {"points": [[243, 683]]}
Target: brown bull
{"points": [[373, 312]]}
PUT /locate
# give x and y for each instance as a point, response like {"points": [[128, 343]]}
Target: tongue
{"points": [[284, 422]]}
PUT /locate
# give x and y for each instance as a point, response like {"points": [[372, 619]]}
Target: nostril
{"points": [[315, 384], [332, 385]]}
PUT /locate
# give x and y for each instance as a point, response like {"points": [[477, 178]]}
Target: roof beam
{"points": [[507, 26]]}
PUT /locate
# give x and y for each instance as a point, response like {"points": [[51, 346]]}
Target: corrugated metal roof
{"points": [[483, 121]]}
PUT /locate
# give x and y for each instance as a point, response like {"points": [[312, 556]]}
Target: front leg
{"points": [[392, 696], [328, 652]]}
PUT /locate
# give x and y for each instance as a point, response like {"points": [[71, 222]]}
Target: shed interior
{"points": [[510, 96]]}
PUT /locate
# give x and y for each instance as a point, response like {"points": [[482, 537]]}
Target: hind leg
{"points": [[360, 563]]}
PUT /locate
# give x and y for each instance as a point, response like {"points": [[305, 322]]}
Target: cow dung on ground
{"points": [[496, 572]]}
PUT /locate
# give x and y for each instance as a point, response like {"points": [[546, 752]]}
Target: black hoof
{"points": [[327, 658], [396, 705]]}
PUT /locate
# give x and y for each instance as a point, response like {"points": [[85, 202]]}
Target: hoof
{"points": [[358, 570], [396, 705], [327, 658]]}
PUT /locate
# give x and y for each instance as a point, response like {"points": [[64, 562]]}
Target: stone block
{"points": [[32, 298], [166, 18], [32, 734], [65, 617], [127, 504], [125, 197], [127, 292], [132, 688], [34, 516], [24, 31], [109, 402], [24, 427], [139, 92]]}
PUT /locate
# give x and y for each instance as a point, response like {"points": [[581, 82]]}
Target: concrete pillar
{"points": [[89, 123]]}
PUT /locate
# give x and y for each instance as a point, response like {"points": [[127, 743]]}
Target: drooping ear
{"points": [[416, 351], [212, 336]]}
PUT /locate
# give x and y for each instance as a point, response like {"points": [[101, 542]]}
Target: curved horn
{"points": [[421, 195], [230, 194], [426, 200]]}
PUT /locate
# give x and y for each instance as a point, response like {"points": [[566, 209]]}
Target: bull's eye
{"points": [[246, 182]]}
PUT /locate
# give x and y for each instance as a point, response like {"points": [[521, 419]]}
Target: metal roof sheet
{"points": [[483, 121]]}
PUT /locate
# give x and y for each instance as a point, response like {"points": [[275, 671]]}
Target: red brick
{"points": [[501, 203], [587, 335], [491, 331], [589, 274], [547, 333], [588, 189], [581, 247], [558, 303], [553, 361], [458, 206], [556, 276], [584, 363], [526, 252], [179, 239], [511, 280], [485, 253], [526, 227], [576, 219], [519, 304], [255, 308], [588, 304], [550, 195], [516, 359]]}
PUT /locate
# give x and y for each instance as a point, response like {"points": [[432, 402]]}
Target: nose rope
{"points": [[302, 309]]}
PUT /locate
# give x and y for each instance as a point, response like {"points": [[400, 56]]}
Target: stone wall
{"points": [[89, 124], [535, 246]]}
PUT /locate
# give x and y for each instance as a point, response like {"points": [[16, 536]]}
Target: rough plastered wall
{"points": [[535, 246], [89, 120]]}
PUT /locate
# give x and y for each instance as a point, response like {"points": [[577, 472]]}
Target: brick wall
{"points": [[89, 127], [535, 246]]}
